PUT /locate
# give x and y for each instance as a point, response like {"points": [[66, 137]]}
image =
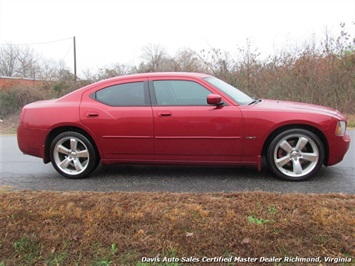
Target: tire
{"points": [[73, 155], [295, 155]]}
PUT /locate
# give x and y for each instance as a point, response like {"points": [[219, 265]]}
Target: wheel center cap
{"points": [[294, 155], [73, 155]]}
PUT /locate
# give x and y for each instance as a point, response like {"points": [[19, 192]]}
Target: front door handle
{"points": [[164, 113]]}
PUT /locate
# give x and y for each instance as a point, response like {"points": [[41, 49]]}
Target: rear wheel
{"points": [[73, 155], [295, 154]]}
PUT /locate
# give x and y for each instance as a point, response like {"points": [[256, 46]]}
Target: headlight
{"points": [[341, 128]]}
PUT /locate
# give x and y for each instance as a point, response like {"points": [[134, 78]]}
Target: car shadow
{"points": [[209, 179], [149, 171], [189, 179]]}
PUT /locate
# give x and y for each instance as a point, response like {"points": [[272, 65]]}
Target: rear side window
{"points": [[128, 94], [180, 92]]}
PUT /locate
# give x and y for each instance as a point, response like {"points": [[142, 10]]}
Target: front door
{"points": [[187, 129]]}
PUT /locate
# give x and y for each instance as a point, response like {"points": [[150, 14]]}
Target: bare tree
{"points": [[8, 60], [49, 69], [187, 60], [248, 68], [155, 58], [218, 63], [108, 72], [28, 63], [18, 62]]}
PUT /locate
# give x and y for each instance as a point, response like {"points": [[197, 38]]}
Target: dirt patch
{"points": [[54, 228], [9, 124]]}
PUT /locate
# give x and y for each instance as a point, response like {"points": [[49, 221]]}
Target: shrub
{"points": [[12, 100]]}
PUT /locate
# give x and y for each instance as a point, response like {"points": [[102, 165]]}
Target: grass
{"points": [[351, 121], [87, 228]]}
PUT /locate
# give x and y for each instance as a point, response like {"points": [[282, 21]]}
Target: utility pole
{"points": [[75, 77]]}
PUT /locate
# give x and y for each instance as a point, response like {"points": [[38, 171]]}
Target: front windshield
{"points": [[240, 97]]}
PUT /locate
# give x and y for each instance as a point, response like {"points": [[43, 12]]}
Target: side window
{"points": [[180, 92], [128, 94]]}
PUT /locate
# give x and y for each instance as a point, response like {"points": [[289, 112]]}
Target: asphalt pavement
{"points": [[23, 172]]}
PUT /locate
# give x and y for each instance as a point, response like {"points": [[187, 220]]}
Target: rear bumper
{"points": [[31, 141]]}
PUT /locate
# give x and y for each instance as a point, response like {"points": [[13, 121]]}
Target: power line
{"points": [[49, 42], [38, 43], [67, 52]]}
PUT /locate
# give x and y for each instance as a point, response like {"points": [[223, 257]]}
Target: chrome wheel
{"points": [[295, 154], [73, 155]]}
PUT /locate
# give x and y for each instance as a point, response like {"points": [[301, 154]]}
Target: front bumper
{"points": [[337, 149]]}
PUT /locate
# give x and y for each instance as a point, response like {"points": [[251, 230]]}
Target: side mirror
{"points": [[214, 99]]}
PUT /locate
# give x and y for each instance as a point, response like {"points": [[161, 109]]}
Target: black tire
{"points": [[73, 155], [295, 155]]}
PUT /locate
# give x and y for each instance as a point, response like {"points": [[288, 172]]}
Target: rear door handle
{"points": [[164, 113], [92, 114]]}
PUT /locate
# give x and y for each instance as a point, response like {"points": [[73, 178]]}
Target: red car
{"points": [[180, 118]]}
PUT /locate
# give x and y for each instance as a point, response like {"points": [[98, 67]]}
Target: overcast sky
{"points": [[114, 31]]}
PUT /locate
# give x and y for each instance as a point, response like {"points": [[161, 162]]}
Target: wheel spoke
{"points": [[63, 150], [285, 146], [83, 154], [73, 144], [78, 165], [311, 157], [282, 161], [302, 142], [297, 167], [65, 163]]}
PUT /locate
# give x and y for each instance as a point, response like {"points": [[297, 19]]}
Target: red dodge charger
{"points": [[180, 118]]}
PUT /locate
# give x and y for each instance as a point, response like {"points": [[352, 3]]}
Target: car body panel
{"points": [[121, 133], [198, 133]]}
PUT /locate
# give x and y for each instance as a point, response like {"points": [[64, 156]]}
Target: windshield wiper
{"points": [[255, 101]]}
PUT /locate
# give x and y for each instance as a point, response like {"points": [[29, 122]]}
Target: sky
{"points": [[115, 31]]}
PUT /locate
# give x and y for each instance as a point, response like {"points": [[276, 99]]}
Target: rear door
{"points": [[120, 116]]}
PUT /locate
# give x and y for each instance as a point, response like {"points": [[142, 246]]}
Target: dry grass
{"points": [[9, 124], [60, 228], [351, 121]]}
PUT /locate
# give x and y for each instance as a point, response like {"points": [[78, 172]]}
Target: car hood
{"points": [[288, 106]]}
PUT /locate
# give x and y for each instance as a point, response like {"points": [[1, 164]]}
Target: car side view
{"points": [[180, 118]]}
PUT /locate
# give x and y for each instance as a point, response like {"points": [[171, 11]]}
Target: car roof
{"points": [[161, 75], [169, 74], [145, 75]]}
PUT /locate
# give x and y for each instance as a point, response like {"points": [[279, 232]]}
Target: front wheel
{"points": [[73, 155], [295, 154]]}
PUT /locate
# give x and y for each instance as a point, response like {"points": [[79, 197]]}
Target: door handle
{"points": [[92, 114], [164, 113]]}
